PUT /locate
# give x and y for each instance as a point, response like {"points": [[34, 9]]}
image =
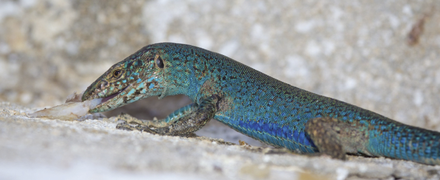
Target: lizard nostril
{"points": [[104, 84]]}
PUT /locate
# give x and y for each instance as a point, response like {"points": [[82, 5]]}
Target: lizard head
{"points": [[136, 77]]}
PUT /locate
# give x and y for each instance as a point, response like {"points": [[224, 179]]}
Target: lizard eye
{"points": [[117, 73], [159, 62]]}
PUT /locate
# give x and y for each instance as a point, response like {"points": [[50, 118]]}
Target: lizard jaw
{"points": [[111, 96], [111, 101]]}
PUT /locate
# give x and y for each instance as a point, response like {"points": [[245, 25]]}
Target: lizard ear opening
{"points": [[159, 62]]}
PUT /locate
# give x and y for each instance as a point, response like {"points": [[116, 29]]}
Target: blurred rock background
{"points": [[381, 55], [358, 52]]}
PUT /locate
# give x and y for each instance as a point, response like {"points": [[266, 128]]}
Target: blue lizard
{"points": [[254, 104]]}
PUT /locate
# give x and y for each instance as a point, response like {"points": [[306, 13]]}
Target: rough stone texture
{"points": [[358, 52], [93, 149]]}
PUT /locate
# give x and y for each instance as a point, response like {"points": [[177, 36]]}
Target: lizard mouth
{"points": [[108, 102], [111, 96]]}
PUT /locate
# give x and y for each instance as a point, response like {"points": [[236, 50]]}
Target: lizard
{"points": [[254, 104]]}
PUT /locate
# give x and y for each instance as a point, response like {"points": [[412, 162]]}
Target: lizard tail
{"points": [[396, 140]]}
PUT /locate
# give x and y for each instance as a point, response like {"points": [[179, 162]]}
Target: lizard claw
{"points": [[125, 126], [130, 123]]}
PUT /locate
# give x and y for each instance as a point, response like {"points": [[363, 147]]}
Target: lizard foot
{"points": [[130, 123]]}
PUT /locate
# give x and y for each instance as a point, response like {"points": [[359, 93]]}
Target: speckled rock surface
{"points": [[380, 55], [33, 148]]}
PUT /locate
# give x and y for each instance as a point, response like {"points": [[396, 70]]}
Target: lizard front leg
{"points": [[183, 121]]}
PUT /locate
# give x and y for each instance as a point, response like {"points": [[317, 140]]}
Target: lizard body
{"points": [[254, 104]]}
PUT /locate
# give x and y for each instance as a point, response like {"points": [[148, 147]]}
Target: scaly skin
{"points": [[254, 104]]}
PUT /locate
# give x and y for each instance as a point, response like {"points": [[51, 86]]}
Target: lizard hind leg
{"points": [[335, 138], [183, 121]]}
